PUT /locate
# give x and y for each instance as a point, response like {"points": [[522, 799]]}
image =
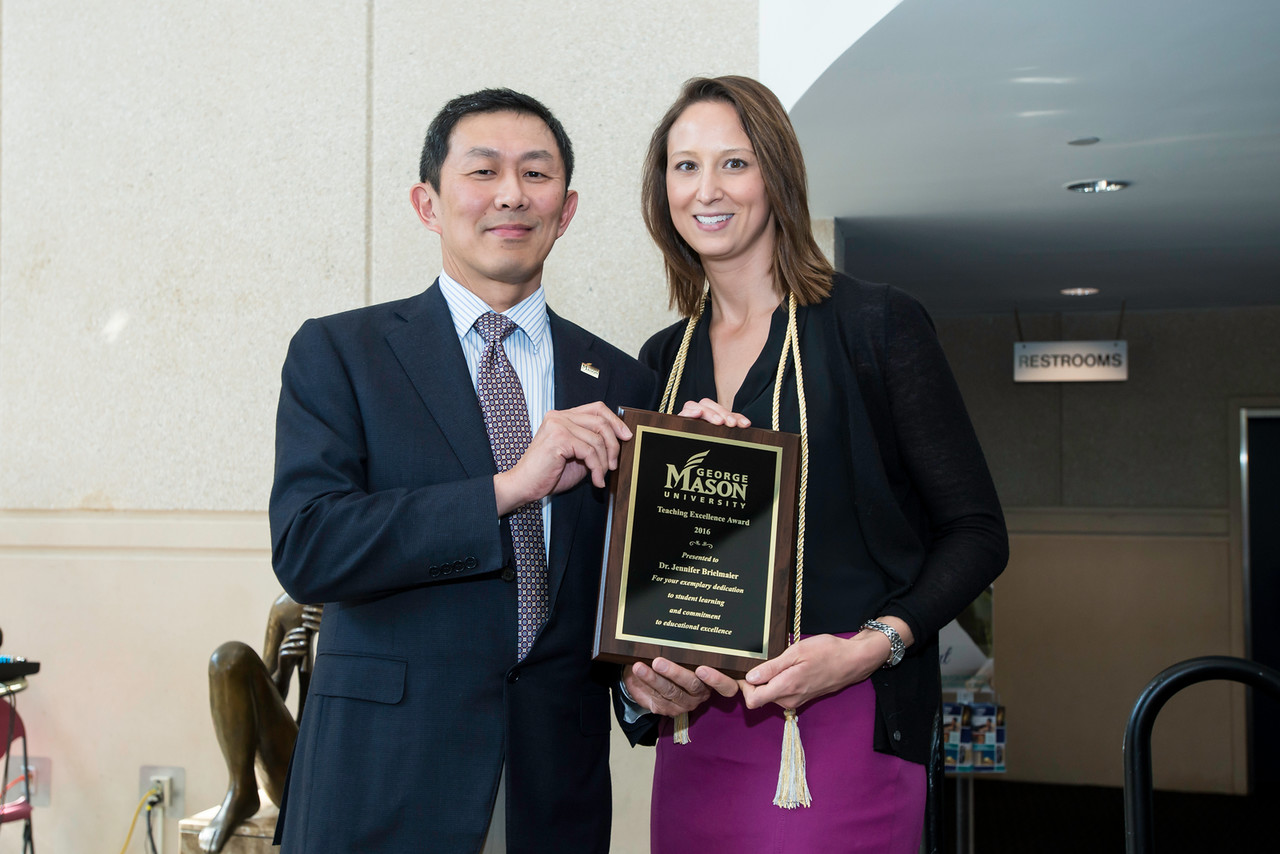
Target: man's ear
{"points": [[567, 212], [425, 202]]}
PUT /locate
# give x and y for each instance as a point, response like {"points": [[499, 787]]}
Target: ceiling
{"points": [[939, 143]]}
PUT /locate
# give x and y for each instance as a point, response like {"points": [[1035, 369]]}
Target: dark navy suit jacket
{"points": [[383, 508]]}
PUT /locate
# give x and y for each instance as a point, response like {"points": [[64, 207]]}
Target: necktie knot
{"points": [[494, 327]]}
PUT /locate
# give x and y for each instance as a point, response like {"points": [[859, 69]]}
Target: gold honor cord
{"points": [[677, 370], [793, 788]]}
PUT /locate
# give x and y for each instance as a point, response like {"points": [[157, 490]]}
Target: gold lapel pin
{"points": [[591, 370]]}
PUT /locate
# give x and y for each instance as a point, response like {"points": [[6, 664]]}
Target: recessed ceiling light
{"points": [[1078, 292], [1102, 185], [1085, 140]]}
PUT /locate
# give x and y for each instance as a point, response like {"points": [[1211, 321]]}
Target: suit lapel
{"points": [[427, 348], [575, 385]]}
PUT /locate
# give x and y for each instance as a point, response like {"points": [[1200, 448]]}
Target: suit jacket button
{"points": [[897, 735], [513, 677], [508, 574], [471, 563], [435, 571]]}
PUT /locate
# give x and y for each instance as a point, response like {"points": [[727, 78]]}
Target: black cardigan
{"points": [[903, 519]]}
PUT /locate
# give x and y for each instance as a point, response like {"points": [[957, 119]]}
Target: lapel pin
{"points": [[591, 370]]}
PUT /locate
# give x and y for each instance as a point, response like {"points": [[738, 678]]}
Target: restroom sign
{"points": [[1070, 361]]}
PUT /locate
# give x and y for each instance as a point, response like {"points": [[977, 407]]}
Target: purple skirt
{"points": [[715, 794]]}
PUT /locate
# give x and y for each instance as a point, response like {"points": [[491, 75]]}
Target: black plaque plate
{"points": [[700, 544]]}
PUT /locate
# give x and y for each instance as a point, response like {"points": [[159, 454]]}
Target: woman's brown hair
{"points": [[799, 266]]}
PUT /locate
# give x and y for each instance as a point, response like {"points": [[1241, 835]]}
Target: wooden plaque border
{"points": [[610, 647]]}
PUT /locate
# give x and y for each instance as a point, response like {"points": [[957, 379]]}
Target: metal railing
{"points": [[1138, 830]]}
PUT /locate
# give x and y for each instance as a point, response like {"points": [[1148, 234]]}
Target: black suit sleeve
{"points": [[333, 538]]}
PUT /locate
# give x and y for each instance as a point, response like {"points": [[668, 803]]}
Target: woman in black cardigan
{"points": [[903, 525]]}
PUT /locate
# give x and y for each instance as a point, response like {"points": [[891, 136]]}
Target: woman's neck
{"points": [[743, 302], [743, 294]]}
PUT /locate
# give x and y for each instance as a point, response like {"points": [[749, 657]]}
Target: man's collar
{"points": [[530, 314]]}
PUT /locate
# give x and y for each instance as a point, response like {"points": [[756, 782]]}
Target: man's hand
{"points": [[713, 413], [570, 444], [666, 688]]}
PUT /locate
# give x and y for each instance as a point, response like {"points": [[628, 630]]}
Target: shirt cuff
{"points": [[631, 710]]}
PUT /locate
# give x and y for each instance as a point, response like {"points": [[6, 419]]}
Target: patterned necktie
{"points": [[506, 417]]}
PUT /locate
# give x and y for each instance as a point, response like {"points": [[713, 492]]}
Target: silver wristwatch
{"points": [[897, 648]]}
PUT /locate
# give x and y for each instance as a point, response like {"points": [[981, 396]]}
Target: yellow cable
{"points": [[154, 790]]}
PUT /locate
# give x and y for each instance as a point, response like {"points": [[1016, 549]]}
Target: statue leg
{"points": [[277, 732], [248, 716]]}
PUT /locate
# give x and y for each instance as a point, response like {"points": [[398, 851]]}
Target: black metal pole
{"points": [[1137, 735], [964, 814]]}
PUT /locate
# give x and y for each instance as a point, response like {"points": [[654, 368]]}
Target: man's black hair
{"points": [[436, 146]]}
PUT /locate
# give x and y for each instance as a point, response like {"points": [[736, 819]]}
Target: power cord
{"points": [[151, 803], [153, 792]]}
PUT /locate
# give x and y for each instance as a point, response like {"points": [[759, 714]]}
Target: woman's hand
{"points": [[814, 666], [712, 412]]}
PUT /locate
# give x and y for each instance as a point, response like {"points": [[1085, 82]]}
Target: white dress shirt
{"points": [[528, 348]]}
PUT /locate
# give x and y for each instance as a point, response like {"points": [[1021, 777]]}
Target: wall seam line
{"points": [[368, 155], [2, 11], [132, 553], [1062, 424]]}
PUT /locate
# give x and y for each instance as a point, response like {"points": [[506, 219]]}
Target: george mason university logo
{"points": [[703, 485]]}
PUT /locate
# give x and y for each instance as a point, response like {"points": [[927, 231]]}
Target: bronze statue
{"points": [[247, 698]]}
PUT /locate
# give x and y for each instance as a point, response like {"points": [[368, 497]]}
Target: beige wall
{"points": [[1093, 605], [182, 185], [1124, 559], [180, 189], [1158, 440]]}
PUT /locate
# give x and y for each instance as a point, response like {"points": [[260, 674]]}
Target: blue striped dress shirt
{"points": [[528, 348]]}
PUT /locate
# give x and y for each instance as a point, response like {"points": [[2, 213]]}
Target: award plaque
{"points": [[700, 544]]}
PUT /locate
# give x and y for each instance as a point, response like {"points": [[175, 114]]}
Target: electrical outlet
{"points": [[174, 794], [39, 772], [165, 784]]}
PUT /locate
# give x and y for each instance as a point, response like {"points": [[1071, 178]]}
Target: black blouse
{"points": [[902, 516]]}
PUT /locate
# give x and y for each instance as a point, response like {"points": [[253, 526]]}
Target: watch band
{"points": [[897, 648]]}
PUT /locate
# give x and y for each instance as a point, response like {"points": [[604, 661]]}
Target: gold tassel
{"points": [[793, 788], [681, 735]]}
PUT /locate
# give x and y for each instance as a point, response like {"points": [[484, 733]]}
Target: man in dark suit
{"points": [[396, 500]]}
